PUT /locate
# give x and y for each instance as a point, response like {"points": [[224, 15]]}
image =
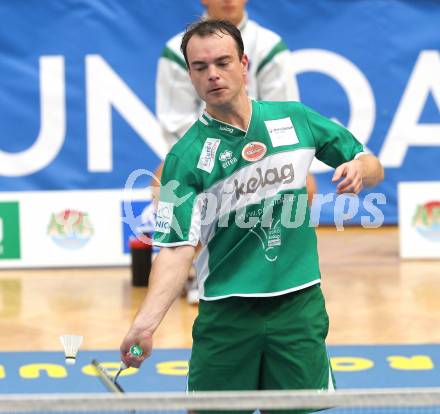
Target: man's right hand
{"points": [[133, 337]]}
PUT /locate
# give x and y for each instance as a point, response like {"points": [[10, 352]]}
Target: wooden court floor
{"points": [[372, 296]]}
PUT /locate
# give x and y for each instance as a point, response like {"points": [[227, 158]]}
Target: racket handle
{"points": [[136, 350]]}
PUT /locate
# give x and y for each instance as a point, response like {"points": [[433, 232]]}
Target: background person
{"points": [[262, 321]]}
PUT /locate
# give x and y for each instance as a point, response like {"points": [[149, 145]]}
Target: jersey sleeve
{"points": [[177, 103], [334, 143], [178, 213]]}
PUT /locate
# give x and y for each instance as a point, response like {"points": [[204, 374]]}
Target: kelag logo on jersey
{"points": [[426, 220], [270, 176], [226, 129]]}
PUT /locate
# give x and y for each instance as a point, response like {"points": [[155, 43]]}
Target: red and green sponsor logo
{"points": [[254, 151], [71, 229], [426, 220]]}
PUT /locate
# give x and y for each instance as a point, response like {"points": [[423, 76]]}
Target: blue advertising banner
{"points": [[78, 88]]}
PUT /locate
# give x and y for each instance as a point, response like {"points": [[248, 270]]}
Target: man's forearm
{"points": [[372, 170], [168, 276]]}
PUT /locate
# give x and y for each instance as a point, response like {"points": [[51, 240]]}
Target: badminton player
{"points": [[262, 321]]}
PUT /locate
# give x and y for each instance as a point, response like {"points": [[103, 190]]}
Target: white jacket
{"points": [[269, 78]]}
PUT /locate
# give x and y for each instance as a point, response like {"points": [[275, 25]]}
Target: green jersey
{"points": [[242, 196]]}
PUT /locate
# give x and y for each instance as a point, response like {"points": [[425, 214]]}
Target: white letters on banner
{"points": [[106, 90], [53, 123], [356, 86], [406, 129]]}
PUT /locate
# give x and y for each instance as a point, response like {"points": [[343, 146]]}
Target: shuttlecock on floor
{"points": [[71, 344]]}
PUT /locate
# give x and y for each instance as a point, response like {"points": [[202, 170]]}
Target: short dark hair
{"points": [[210, 27]]}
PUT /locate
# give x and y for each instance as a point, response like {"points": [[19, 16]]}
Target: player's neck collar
{"points": [[223, 126]]}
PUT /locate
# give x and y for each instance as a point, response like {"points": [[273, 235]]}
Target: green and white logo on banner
{"points": [[9, 231]]}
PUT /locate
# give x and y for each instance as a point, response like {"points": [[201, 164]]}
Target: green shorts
{"points": [[264, 343]]}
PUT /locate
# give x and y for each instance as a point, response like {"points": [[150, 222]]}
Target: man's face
{"points": [[215, 69], [230, 10]]}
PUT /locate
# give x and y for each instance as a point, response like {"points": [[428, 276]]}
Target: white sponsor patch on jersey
{"points": [[207, 157], [281, 132], [164, 217]]}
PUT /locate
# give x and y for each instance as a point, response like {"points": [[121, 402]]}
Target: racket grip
{"points": [[136, 350]]}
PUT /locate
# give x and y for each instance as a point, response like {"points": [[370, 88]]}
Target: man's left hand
{"points": [[352, 174]]}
